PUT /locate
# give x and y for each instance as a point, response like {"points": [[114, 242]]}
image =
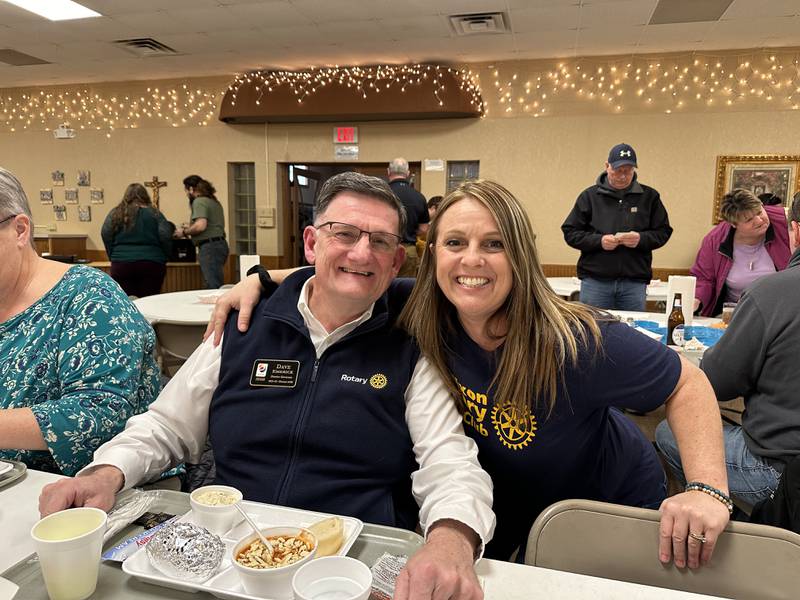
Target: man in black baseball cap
{"points": [[616, 224]]}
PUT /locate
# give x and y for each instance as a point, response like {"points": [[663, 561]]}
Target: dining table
{"points": [[570, 287], [500, 580], [192, 307]]}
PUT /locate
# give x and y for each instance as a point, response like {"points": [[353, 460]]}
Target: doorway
{"points": [[300, 184]]}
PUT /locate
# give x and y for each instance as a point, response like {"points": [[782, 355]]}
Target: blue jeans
{"points": [[212, 257], [618, 294], [750, 478]]}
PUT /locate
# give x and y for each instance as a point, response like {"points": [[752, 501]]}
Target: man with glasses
{"points": [[323, 404]]}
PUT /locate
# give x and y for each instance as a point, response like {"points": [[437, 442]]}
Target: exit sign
{"points": [[345, 135]]}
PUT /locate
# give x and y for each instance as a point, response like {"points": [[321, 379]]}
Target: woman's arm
{"points": [[19, 430], [693, 416]]}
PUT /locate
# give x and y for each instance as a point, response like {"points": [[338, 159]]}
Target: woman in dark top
{"points": [[138, 239]]}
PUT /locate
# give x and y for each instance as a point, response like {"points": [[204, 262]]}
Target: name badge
{"points": [[271, 372]]}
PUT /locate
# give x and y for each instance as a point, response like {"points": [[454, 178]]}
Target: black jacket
{"points": [[326, 434], [415, 205], [600, 210]]}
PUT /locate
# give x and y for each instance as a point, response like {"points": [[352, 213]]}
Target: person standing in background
{"points": [[616, 224], [417, 218], [207, 230], [138, 240]]}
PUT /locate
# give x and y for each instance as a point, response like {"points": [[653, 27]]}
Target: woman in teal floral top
{"points": [[77, 356]]}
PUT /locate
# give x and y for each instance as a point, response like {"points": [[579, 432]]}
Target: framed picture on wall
{"points": [[84, 178], [84, 213], [70, 195], [46, 196], [60, 212], [777, 174], [96, 195], [57, 177]]}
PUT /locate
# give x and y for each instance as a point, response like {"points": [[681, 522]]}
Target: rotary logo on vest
{"points": [[377, 381]]}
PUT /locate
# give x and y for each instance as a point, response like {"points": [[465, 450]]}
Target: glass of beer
{"points": [[727, 311]]}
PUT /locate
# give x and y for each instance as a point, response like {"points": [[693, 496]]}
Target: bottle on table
{"points": [[675, 323]]}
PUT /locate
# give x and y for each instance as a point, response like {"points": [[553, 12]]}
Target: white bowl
{"points": [[276, 582], [339, 577], [218, 518]]}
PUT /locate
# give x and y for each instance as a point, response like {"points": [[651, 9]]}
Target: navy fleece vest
{"points": [[337, 440]]}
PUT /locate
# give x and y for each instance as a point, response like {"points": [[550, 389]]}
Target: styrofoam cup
{"points": [[69, 545], [332, 578]]}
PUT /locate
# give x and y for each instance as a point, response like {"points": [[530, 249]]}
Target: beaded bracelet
{"points": [[711, 491]]}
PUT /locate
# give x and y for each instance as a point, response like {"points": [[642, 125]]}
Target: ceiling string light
{"points": [[764, 79], [365, 81], [177, 106]]}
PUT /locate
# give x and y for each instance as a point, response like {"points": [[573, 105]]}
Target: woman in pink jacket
{"points": [[751, 241]]}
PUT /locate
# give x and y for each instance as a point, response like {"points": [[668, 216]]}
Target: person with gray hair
{"points": [[750, 242], [77, 355], [324, 404], [757, 359], [417, 217]]}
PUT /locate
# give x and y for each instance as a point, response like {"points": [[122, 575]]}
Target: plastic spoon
{"points": [[256, 529]]}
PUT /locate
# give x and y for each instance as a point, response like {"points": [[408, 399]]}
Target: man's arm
{"points": [[454, 494], [171, 431], [734, 363], [693, 416], [660, 230], [577, 228]]}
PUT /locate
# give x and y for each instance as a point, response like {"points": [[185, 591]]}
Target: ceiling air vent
{"points": [[145, 47], [478, 23]]}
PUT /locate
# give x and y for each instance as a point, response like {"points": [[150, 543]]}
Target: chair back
{"points": [[176, 342], [621, 542]]}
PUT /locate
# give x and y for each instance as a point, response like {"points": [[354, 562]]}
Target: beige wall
{"points": [[545, 161]]}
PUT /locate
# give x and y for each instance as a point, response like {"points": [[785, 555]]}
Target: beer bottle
{"points": [[675, 323]]}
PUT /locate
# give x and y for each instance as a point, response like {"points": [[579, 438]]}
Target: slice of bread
{"points": [[330, 535]]}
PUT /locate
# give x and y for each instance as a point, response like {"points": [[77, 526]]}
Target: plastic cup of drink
{"points": [[333, 578], [69, 544], [727, 311]]}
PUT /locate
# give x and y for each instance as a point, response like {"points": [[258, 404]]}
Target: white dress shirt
{"points": [[449, 483]]}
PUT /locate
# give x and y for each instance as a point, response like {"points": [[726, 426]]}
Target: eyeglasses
{"points": [[348, 235], [8, 218]]}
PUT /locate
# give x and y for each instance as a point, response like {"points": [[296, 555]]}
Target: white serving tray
{"points": [[225, 583]]}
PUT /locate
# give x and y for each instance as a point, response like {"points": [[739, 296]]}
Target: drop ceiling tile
{"points": [[621, 35], [204, 19], [269, 15], [150, 24], [548, 43], [745, 9], [549, 18], [614, 14], [125, 7], [416, 27]]}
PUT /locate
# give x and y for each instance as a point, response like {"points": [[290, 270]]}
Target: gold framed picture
{"points": [[777, 174]]}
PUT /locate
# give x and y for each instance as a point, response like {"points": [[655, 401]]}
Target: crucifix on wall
{"points": [[156, 185]]}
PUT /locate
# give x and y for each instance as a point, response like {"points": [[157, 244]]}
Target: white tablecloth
{"points": [[184, 308], [566, 286], [502, 581]]}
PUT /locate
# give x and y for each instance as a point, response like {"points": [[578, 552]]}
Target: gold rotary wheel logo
{"points": [[515, 431], [378, 381]]}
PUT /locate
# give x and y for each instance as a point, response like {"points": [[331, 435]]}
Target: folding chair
{"points": [[621, 542], [176, 342]]}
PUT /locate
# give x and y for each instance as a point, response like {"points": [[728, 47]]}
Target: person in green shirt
{"points": [[207, 230], [138, 241]]}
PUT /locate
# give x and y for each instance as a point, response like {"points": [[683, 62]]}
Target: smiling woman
{"points": [[539, 379]]}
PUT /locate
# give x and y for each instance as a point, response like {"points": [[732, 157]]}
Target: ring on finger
{"points": [[699, 537]]}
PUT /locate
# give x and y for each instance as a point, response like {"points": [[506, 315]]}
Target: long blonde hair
{"points": [[544, 332]]}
